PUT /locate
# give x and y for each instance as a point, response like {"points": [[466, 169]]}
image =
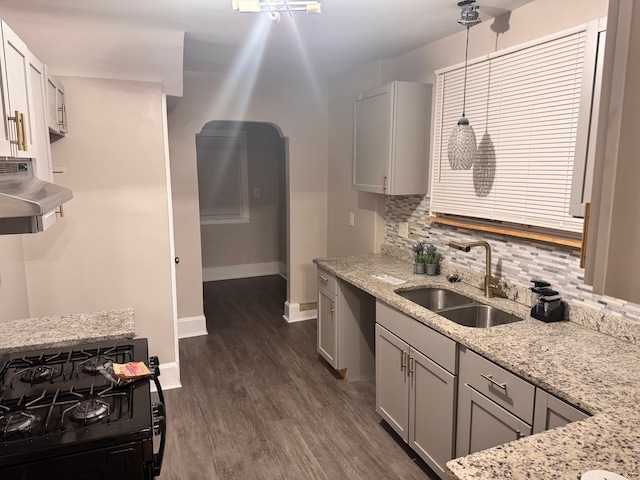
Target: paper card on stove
{"points": [[131, 370]]}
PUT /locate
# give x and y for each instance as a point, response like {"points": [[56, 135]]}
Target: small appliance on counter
{"points": [[548, 305]]}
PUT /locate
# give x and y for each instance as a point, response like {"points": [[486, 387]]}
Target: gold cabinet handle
{"points": [[19, 131], [63, 116], [384, 184], [503, 386], [585, 235], [23, 127]]}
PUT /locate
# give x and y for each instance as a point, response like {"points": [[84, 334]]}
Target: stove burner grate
{"points": [[18, 422], [39, 374], [91, 410], [96, 363]]}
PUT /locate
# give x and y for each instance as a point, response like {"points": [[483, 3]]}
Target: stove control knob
{"points": [[159, 419]]}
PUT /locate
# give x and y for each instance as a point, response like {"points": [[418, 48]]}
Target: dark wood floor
{"points": [[257, 402]]}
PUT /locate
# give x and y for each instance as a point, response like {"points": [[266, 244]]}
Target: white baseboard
{"points": [[212, 274], [292, 313], [192, 326], [169, 376]]}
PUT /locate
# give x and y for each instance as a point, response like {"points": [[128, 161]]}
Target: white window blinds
{"points": [[523, 106]]}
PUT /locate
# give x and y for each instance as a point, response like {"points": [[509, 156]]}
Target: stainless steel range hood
{"points": [[25, 200]]}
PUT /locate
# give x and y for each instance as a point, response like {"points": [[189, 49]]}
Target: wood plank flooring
{"points": [[258, 403]]}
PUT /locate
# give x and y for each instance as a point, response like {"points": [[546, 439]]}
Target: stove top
{"points": [[67, 400]]}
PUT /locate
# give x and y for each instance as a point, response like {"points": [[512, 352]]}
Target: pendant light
{"points": [[462, 142]]}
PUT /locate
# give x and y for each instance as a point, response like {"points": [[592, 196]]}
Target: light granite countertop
{"points": [[64, 330], [598, 373]]}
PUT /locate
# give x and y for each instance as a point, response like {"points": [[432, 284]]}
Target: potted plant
{"points": [[432, 259], [419, 255]]}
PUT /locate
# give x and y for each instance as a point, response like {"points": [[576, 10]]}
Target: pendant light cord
{"points": [[466, 56]]}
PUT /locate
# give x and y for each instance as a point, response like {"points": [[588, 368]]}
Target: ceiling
{"points": [[347, 32]]}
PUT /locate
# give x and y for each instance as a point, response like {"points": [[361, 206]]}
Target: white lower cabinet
{"points": [[346, 319], [494, 405], [483, 424], [414, 394], [551, 412]]}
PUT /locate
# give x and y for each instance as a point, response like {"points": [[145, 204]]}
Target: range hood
{"points": [[26, 200]]}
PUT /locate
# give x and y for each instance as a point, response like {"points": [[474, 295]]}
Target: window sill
{"points": [[512, 232]]}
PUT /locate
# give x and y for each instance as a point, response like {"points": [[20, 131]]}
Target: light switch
{"points": [[256, 193], [352, 218]]}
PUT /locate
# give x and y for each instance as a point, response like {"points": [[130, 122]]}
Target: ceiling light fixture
{"points": [[274, 8], [462, 142]]}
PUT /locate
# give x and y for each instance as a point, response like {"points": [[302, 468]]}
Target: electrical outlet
{"points": [[403, 229], [352, 219]]}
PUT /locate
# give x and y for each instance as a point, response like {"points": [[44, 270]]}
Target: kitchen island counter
{"points": [[63, 330], [596, 372]]}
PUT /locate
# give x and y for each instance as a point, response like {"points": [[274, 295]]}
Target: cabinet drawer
{"points": [[436, 346], [504, 388], [328, 281]]}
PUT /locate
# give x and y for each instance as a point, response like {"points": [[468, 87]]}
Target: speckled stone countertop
{"points": [[596, 372], [59, 331]]}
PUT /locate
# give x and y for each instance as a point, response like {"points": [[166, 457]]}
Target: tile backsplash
{"points": [[514, 259]]}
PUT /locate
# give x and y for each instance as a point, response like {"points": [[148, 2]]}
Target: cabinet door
{"points": [[41, 150], [431, 411], [372, 138], [17, 58], [327, 327], [5, 133], [392, 381], [483, 424], [56, 109], [552, 412]]}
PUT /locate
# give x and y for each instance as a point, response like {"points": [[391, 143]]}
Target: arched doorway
{"points": [[243, 200]]}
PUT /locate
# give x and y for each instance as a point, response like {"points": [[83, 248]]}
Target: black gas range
{"points": [[65, 415]]}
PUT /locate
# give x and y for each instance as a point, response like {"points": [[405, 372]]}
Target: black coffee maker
{"points": [[548, 305]]}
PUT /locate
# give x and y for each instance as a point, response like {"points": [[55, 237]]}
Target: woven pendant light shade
{"points": [[462, 146]]}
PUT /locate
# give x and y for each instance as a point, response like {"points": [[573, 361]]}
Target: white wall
{"points": [[301, 116], [368, 208], [14, 298], [112, 248]]}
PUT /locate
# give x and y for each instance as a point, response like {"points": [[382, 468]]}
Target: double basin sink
{"points": [[458, 308]]}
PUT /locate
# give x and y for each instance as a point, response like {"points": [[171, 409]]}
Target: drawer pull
{"points": [[324, 279], [403, 360], [503, 386]]}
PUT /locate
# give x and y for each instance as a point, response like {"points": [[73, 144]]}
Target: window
{"points": [[222, 176], [524, 106]]}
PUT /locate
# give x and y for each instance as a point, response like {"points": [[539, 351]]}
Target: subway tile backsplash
{"points": [[514, 259]]}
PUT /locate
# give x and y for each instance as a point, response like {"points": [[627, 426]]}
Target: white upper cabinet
{"points": [[19, 110], [56, 108], [391, 139], [613, 240]]}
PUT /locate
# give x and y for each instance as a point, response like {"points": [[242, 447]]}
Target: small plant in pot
{"points": [[419, 255], [432, 259]]}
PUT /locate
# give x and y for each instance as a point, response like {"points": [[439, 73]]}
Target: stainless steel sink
{"points": [[435, 298], [481, 316]]}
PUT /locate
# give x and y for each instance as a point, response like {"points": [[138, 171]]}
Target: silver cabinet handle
{"points": [[403, 360], [503, 386], [324, 279]]}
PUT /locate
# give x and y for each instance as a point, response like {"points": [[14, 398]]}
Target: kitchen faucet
{"points": [[491, 288]]}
